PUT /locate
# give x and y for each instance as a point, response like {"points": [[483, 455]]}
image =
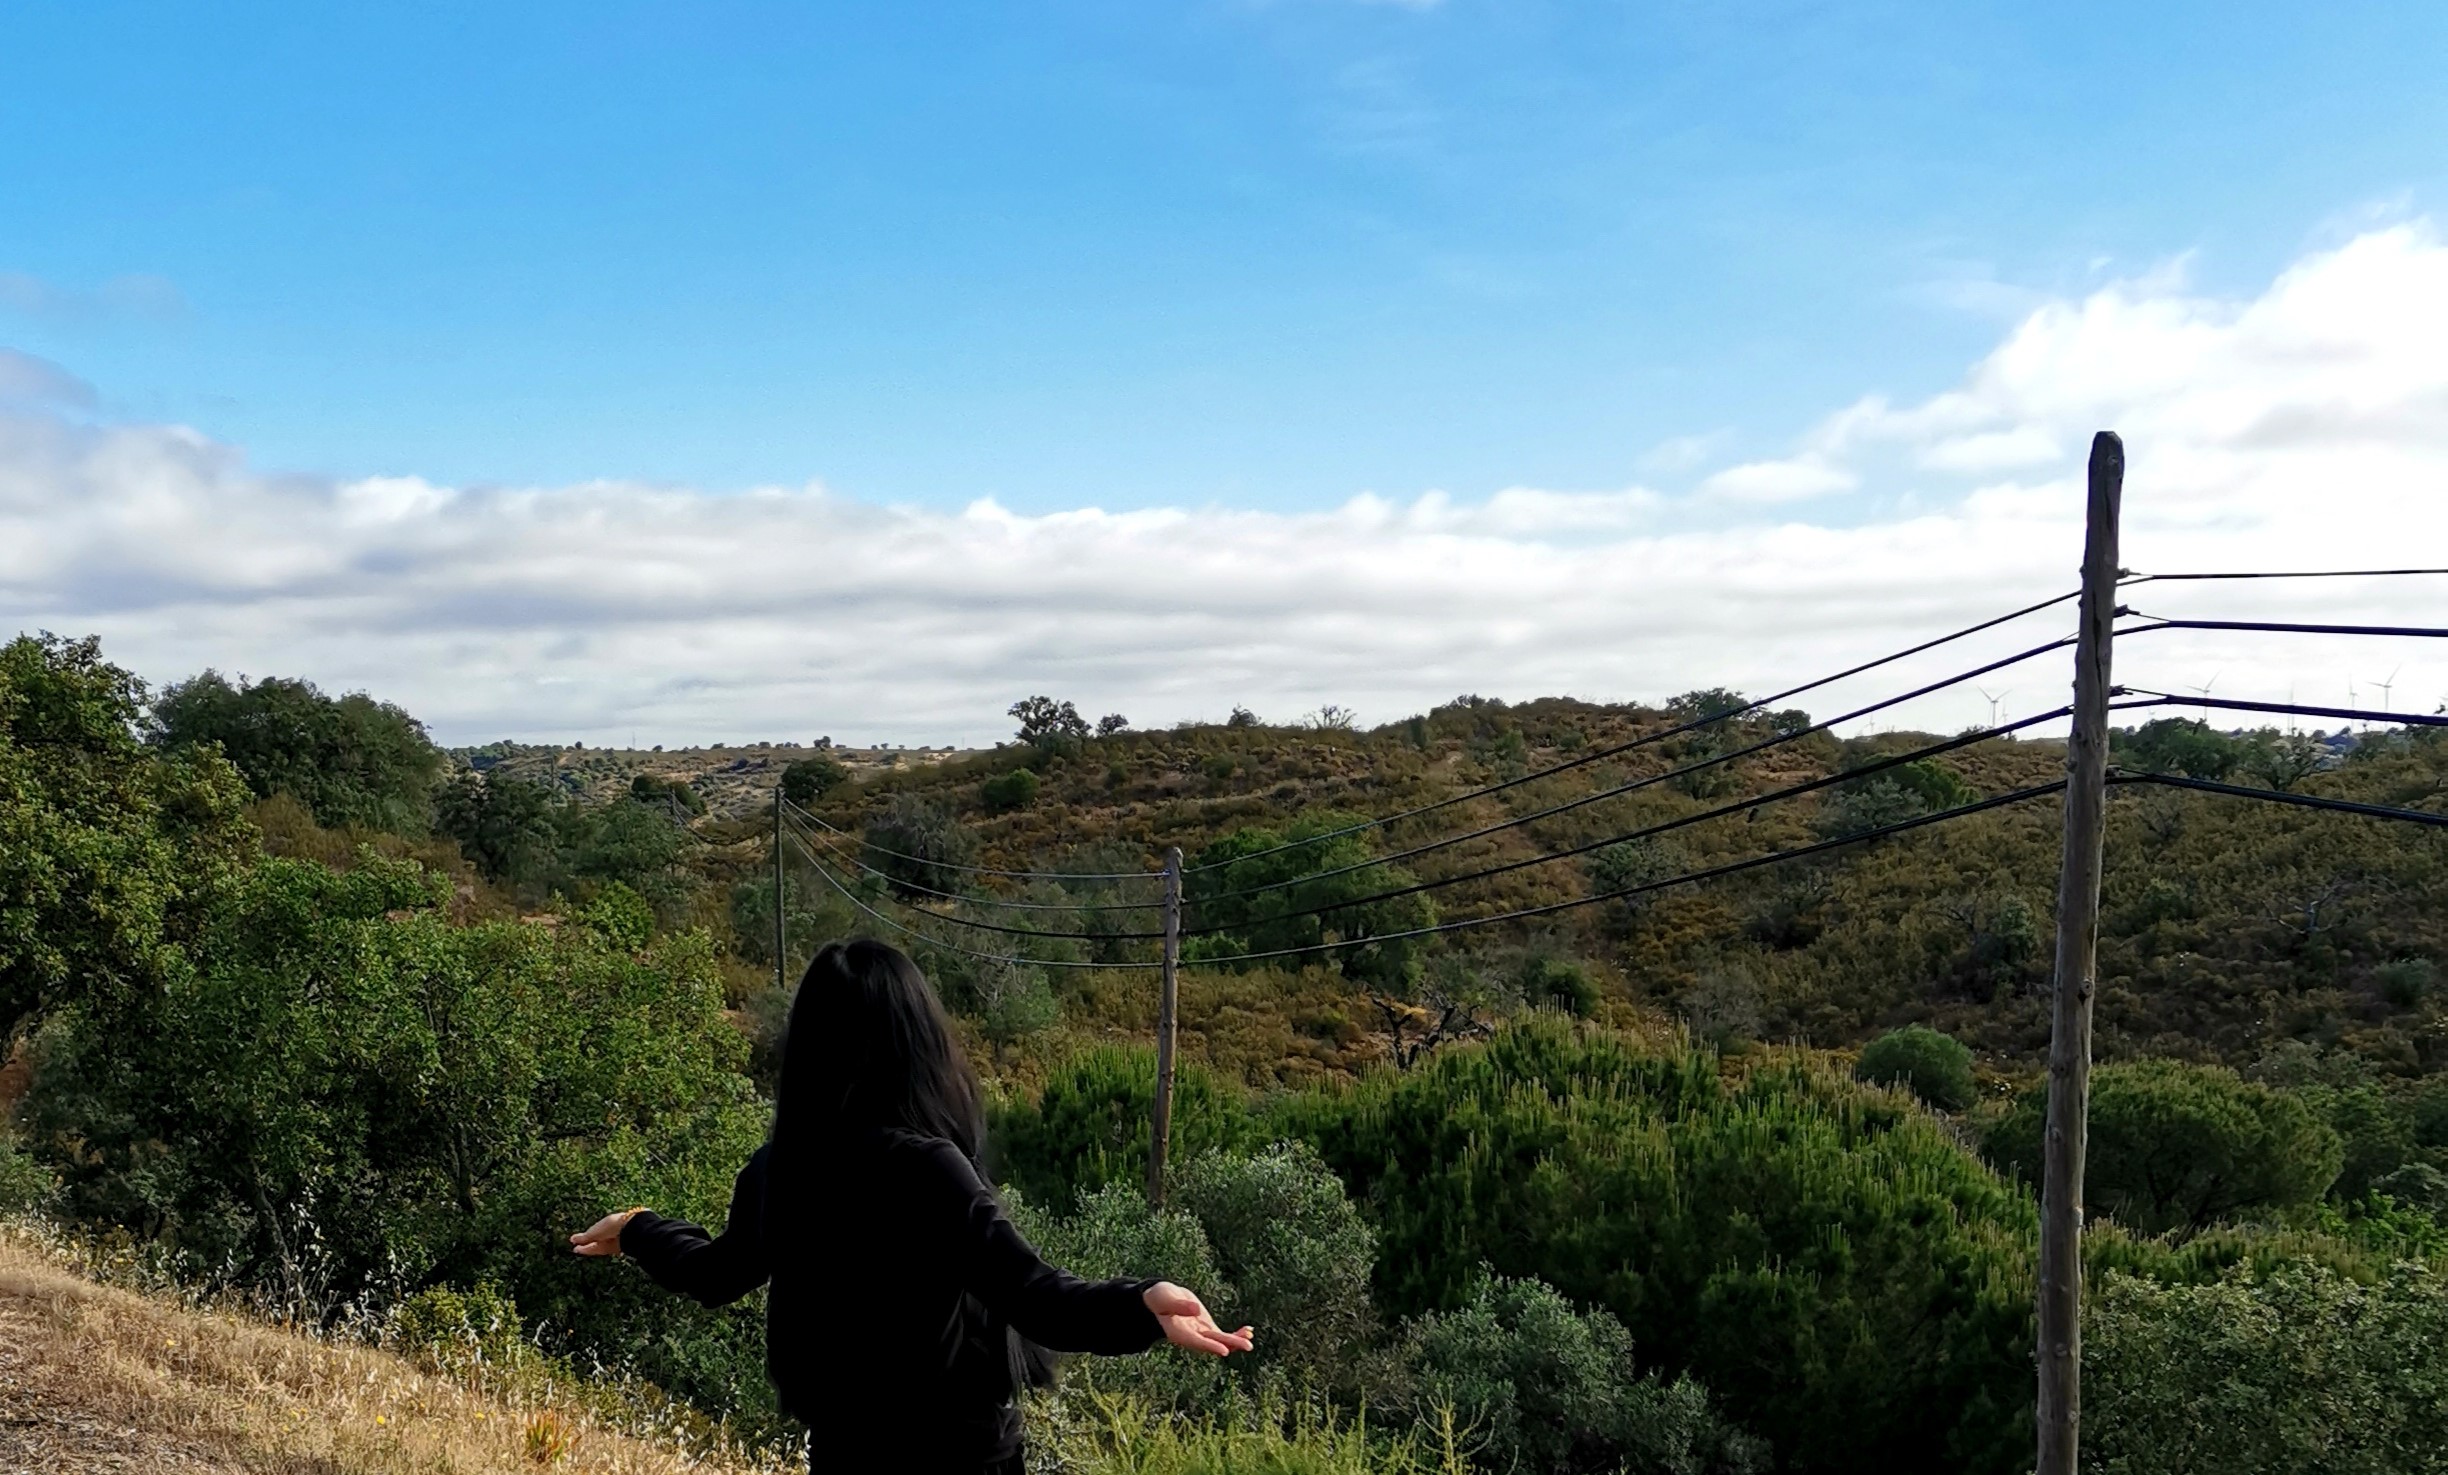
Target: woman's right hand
{"points": [[1186, 1322], [603, 1236]]}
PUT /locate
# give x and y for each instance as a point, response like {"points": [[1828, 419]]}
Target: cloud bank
{"points": [[2303, 427]]}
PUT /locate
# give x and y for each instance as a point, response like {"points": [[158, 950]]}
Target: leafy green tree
{"points": [[1257, 892], [673, 795], [2304, 1372], [2181, 745], [111, 853], [351, 760], [507, 826], [2176, 1147], [1818, 1255], [1933, 1066], [349, 1094], [1048, 725], [1088, 1126], [1559, 983], [920, 846], [810, 779], [1545, 1387], [636, 845]]}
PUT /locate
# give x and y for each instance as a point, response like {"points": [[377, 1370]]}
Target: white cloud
{"points": [[2304, 427], [136, 294], [1794, 480]]}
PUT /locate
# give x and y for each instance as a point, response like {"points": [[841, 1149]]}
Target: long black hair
{"points": [[868, 1046]]}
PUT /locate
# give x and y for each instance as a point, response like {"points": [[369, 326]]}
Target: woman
{"points": [[900, 1291]]}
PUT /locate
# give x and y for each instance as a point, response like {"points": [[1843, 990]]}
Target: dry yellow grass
{"points": [[94, 1378]]}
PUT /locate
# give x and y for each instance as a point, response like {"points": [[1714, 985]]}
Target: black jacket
{"points": [[897, 1281]]}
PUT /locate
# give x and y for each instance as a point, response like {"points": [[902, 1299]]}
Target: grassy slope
{"points": [[95, 1378]]}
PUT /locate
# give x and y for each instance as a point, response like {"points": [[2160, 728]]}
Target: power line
{"points": [[1633, 785], [2282, 627], [2335, 573], [985, 870], [2282, 796], [1867, 770], [1003, 928], [2288, 709], [952, 947], [1647, 739], [1709, 874], [1023, 906]]}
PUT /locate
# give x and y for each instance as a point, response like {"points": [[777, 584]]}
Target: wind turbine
{"points": [[1994, 699], [2388, 686]]}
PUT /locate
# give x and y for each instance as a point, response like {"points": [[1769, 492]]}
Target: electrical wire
{"points": [[2129, 580], [1867, 770], [855, 900], [1632, 785], [2282, 796], [1708, 874], [1023, 906], [2287, 709], [2281, 627], [985, 870], [1649, 738], [984, 926]]}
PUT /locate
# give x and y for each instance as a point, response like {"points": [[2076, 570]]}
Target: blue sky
{"points": [[1265, 255]]}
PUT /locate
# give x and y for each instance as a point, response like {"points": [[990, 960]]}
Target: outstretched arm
{"points": [[680, 1256], [1049, 1305]]}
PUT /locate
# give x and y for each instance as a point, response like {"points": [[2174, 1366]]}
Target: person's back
{"points": [[897, 1281]]}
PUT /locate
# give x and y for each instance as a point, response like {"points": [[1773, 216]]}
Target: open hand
{"points": [[603, 1236], [1186, 1322]]}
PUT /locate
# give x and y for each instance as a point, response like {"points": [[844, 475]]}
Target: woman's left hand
{"points": [[603, 1236], [1186, 1322]]}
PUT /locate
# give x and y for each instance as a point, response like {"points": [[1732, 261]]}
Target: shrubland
{"points": [[1721, 1178]]}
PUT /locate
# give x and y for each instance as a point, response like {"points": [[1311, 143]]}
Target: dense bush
{"points": [[348, 1097], [2304, 1372], [810, 779], [1006, 792], [1088, 1125], [919, 845], [1295, 1252], [1815, 1254], [1933, 1066], [351, 760], [2177, 1147], [1544, 1387]]}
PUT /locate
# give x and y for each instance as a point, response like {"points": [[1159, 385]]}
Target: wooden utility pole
{"points": [[781, 962], [2078, 893], [1160, 1121]]}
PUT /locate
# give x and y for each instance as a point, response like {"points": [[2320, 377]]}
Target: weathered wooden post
{"points": [[1160, 1122], [781, 960], [2078, 894]]}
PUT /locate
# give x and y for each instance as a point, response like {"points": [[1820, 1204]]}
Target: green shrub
{"points": [[2175, 1147], [1006, 792], [459, 1333], [1820, 1256], [1295, 1250], [1544, 1387], [1933, 1066], [1114, 1234], [810, 779], [2303, 1373], [1560, 983], [26, 1186], [1088, 1125]]}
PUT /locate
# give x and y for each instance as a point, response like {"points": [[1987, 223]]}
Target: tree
{"points": [[351, 760], [919, 846], [810, 779], [110, 852], [2176, 1147], [506, 826], [1048, 725], [1933, 1066], [1111, 723], [673, 794], [2284, 759], [2184, 745], [1260, 894]]}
